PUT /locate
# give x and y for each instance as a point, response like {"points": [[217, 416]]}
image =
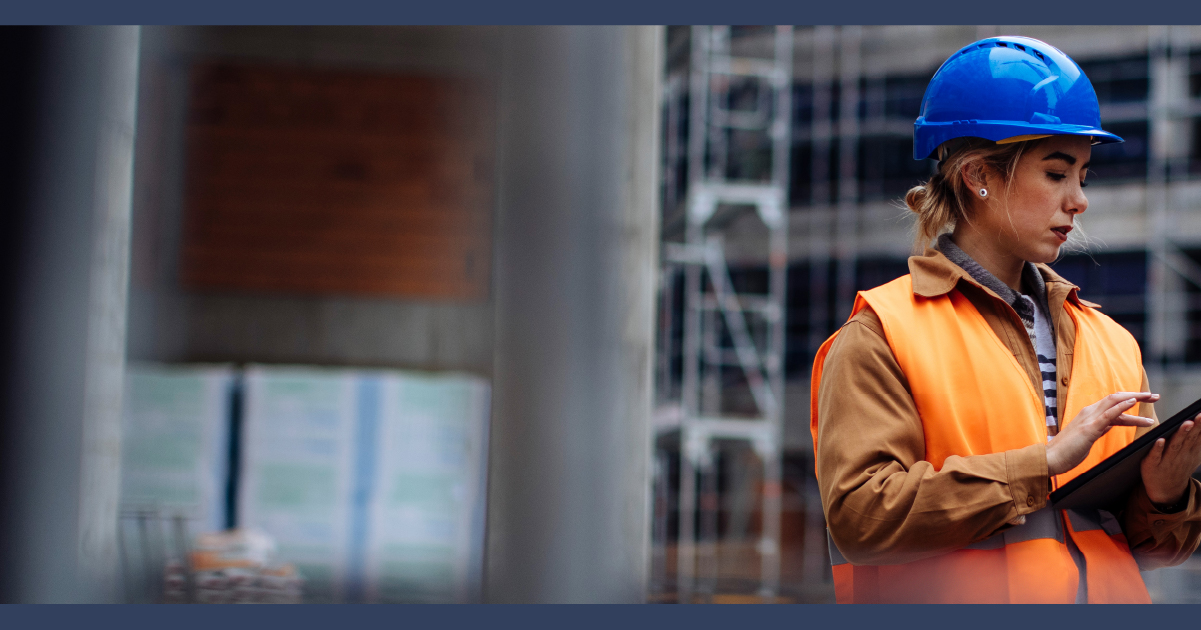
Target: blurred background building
{"points": [[340, 289], [453, 314]]}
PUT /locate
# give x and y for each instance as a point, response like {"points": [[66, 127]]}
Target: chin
{"points": [[1045, 255]]}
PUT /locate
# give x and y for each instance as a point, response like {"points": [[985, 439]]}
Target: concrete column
{"points": [[62, 338], [576, 259]]}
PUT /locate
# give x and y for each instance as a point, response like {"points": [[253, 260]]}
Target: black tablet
{"points": [[1102, 485]]}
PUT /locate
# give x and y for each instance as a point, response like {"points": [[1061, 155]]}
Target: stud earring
{"points": [[983, 192]]}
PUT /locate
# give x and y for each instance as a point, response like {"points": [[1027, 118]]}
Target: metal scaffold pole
{"points": [[731, 338], [1168, 267], [849, 72], [819, 247], [690, 391]]}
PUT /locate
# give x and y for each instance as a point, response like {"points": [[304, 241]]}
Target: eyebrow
{"points": [[1060, 155]]}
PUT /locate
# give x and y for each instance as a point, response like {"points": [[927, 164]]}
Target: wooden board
{"points": [[322, 181]]}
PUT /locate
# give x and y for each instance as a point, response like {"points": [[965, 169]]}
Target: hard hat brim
{"points": [[936, 133]]}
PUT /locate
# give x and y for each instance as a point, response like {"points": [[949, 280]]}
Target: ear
{"points": [[977, 175]]}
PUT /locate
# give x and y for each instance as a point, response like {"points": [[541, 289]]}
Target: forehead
{"points": [[1079, 147]]}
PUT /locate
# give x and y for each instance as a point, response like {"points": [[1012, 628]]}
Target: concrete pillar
{"points": [[69, 138], [576, 258]]}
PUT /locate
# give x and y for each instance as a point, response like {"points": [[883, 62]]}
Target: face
{"points": [[1031, 218]]}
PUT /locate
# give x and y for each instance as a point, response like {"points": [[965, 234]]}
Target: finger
{"points": [[1190, 451], [1127, 420], [1184, 444], [1111, 415], [1184, 447], [1118, 397], [1192, 439], [1181, 436], [1156, 454]]}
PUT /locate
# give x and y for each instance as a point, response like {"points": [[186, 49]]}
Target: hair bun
{"points": [[915, 197]]}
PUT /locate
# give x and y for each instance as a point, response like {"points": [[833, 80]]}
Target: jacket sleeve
{"points": [[883, 503], [1157, 539]]}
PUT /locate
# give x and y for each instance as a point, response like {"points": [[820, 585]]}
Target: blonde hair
{"points": [[943, 201]]}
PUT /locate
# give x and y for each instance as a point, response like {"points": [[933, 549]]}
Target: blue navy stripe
{"points": [[370, 395]]}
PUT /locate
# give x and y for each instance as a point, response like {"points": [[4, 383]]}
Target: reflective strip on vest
{"points": [[1092, 520], [836, 557], [974, 398], [1041, 524]]}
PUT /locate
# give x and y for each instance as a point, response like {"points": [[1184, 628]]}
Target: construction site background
{"points": [[854, 94], [500, 314]]}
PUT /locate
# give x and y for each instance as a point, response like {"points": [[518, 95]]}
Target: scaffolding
{"points": [[845, 220], [1168, 267], [729, 96]]}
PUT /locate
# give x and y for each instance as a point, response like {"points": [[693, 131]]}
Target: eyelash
{"points": [[1058, 177]]}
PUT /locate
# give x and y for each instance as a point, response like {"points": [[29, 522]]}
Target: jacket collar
{"points": [[934, 275]]}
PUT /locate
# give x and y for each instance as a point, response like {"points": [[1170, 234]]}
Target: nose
{"points": [[1077, 202]]}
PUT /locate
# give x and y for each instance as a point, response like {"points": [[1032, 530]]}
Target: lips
{"points": [[1062, 232]]}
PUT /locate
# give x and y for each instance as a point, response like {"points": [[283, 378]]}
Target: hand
{"points": [[1071, 446], [1167, 468]]}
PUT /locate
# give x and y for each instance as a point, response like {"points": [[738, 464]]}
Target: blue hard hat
{"points": [[1004, 88]]}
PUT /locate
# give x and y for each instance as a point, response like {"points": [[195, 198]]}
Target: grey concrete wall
{"points": [[170, 324], [572, 304], [576, 258], [62, 347]]}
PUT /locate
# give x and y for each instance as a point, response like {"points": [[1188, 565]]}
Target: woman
{"points": [[957, 397]]}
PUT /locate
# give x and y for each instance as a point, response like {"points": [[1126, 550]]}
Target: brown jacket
{"points": [[883, 502]]}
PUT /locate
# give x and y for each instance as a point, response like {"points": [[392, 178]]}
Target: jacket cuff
{"points": [[1029, 480], [1158, 521]]}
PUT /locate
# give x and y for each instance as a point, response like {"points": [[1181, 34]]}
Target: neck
{"points": [[1001, 264]]}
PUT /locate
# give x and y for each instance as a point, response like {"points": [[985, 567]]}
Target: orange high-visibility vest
{"points": [[974, 398]]}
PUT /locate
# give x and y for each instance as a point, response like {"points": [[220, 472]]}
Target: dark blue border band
{"points": [[608, 12], [478, 617]]}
